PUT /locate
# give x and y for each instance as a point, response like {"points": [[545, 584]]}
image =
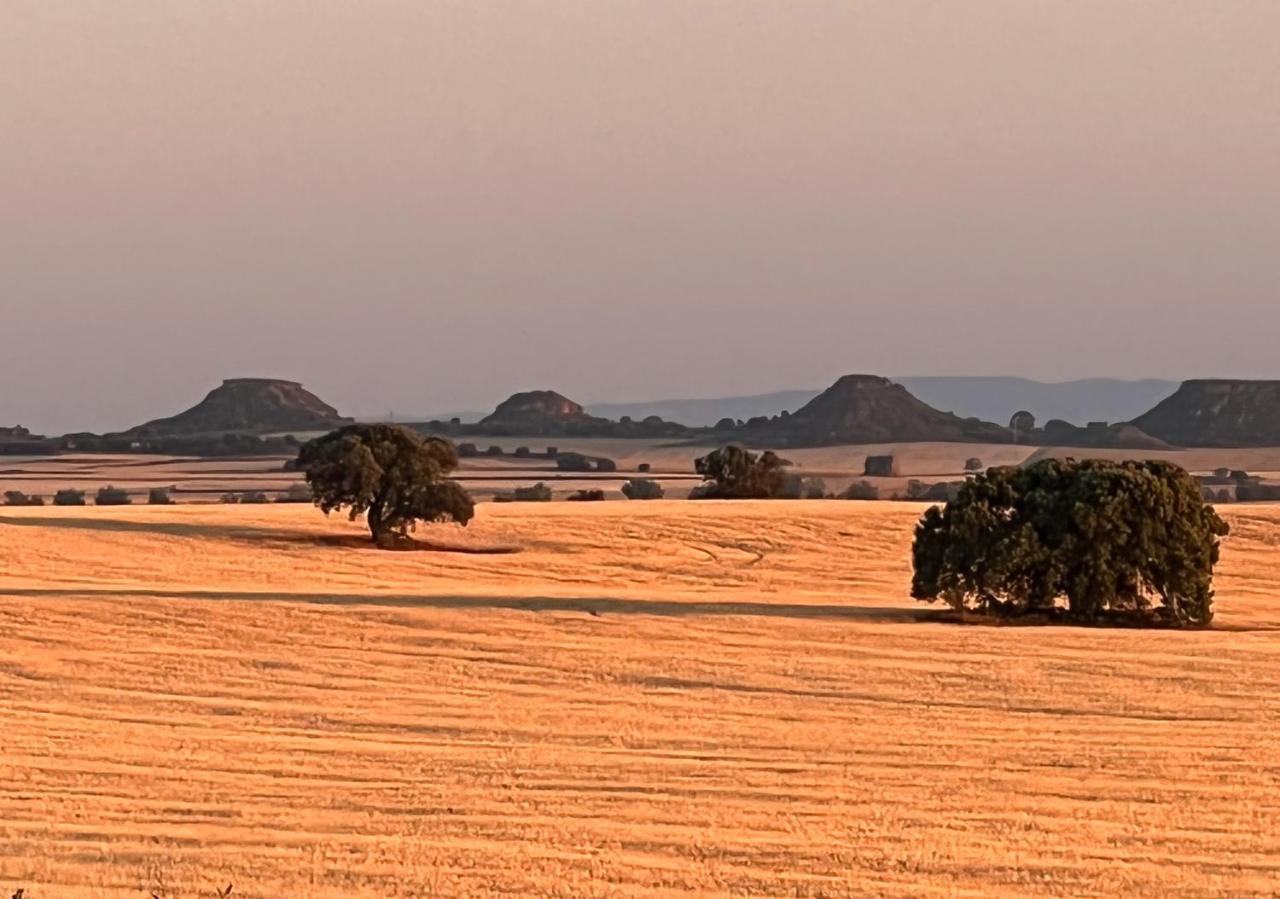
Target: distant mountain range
{"points": [[988, 398]]}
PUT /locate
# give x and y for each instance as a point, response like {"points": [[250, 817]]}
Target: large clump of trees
{"points": [[390, 474], [733, 472], [1085, 541]]}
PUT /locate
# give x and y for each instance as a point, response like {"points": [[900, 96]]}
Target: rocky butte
{"points": [[871, 409], [1217, 413], [250, 405], [541, 412]]}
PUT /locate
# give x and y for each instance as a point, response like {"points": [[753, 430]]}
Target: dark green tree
{"points": [[642, 488], [733, 472], [388, 473], [112, 496], [1088, 540]]}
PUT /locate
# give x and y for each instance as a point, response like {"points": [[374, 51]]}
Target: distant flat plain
{"points": [[627, 699], [205, 480]]}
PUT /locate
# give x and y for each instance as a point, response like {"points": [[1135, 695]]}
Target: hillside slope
{"points": [[250, 404], [872, 409], [1207, 413]]}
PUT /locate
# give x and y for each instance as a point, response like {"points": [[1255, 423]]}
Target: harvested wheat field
{"points": [[636, 700]]}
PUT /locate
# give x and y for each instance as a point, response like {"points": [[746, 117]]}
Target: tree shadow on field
{"points": [[168, 528], [243, 533], [592, 606]]}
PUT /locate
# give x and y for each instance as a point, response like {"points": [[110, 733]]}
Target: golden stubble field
{"points": [[645, 700]]}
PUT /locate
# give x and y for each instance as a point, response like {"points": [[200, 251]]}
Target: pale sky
{"points": [[427, 205]]}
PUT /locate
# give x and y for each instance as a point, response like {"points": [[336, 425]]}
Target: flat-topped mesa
{"points": [[250, 405], [539, 413], [871, 409], [1217, 413]]}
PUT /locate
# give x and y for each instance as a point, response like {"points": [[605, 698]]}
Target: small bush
{"points": [[586, 496], [69, 497], [973, 464], [297, 493], [642, 488], [537, 493], [644, 468], [112, 496], [468, 451], [254, 497], [573, 462], [813, 488], [523, 452], [864, 490], [159, 496], [229, 499], [553, 451], [494, 451], [18, 498]]}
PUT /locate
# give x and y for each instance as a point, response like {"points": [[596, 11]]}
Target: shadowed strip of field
{"points": [[593, 606]]}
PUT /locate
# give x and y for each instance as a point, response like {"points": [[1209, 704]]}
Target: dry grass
{"points": [[650, 700]]}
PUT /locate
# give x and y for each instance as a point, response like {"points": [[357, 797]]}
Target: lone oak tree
{"points": [[388, 473], [1126, 540]]}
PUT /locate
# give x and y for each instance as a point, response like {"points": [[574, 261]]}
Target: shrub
{"points": [[864, 490], [573, 462], [467, 451], [18, 498], [537, 493], [69, 497], [493, 451], [813, 488], [797, 487], [159, 496], [297, 493], [1109, 539], [553, 451], [736, 473], [644, 468], [603, 464], [973, 464], [254, 497], [229, 499], [642, 488], [586, 496], [112, 496], [523, 452], [941, 491]]}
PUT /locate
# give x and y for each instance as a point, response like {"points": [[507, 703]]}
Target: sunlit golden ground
{"points": [[665, 699]]}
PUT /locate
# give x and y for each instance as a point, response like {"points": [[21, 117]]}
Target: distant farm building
{"points": [[880, 467]]}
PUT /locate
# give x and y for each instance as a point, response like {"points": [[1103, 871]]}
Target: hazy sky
{"points": [[427, 205]]}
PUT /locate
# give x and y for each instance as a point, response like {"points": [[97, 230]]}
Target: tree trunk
{"points": [[375, 519]]}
